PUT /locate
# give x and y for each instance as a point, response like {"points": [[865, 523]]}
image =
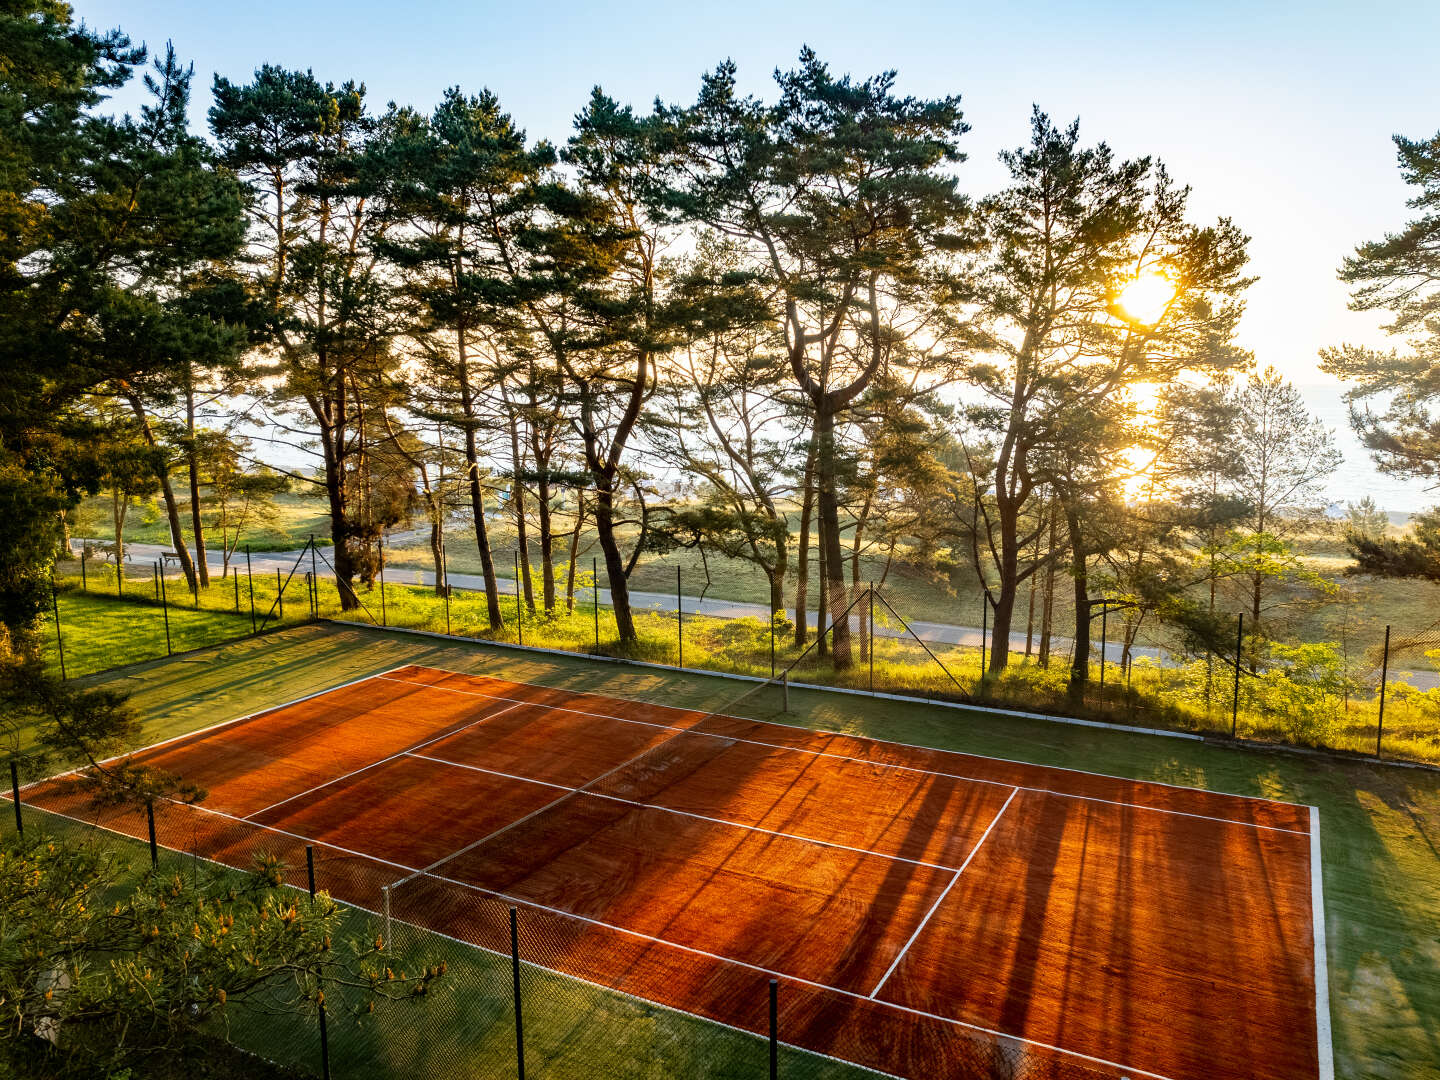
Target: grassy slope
{"points": [[296, 519], [1380, 825]]}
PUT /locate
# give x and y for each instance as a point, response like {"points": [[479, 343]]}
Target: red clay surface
{"points": [[923, 910]]}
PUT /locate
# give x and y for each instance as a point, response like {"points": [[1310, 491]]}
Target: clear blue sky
{"points": [[1278, 114]]}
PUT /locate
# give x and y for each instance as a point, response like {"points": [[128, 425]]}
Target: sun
{"points": [[1146, 297]]}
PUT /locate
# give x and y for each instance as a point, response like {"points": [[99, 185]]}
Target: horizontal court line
{"points": [[536, 813], [520, 902], [689, 814], [941, 898], [881, 764], [376, 764]]}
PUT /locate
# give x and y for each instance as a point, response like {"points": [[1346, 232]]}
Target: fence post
{"points": [[445, 580], [519, 603], [515, 976], [870, 637], [383, 621], [155, 578], [385, 893], [772, 644], [84, 582], [1239, 645], [235, 578], [1384, 678], [324, 1030], [59, 641], [150, 823], [785, 691], [679, 618], [984, 628], [250, 582], [280, 594], [15, 794], [1104, 634], [595, 588], [774, 1029], [165, 608], [315, 581]]}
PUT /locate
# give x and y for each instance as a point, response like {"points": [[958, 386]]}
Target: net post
{"points": [[1235, 700], [15, 795], [150, 822], [774, 1029], [385, 896], [515, 978], [1384, 678], [310, 868]]}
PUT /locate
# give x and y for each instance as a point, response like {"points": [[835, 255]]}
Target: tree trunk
{"points": [[802, 556], [517, 501], [574, 553], [192, 455], [120, 504], [829, 506], [172, 511], [614, 564], [547, 557], [1047, 611], [822, 640]]}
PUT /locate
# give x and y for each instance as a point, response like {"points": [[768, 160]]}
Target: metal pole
{"points": [[250, 582], [785, 692], [235, 578], [984, 629], [385, 892], [679, 618], [84, 581], [1384, 677], [1239, 644], [310, 868], [445, 581], [774, 1029], [15, 794], [519, 617], [772, 644], [383, 621], [155, 578], [870, 636], [280, 594], [324, 1045], [154, 849], [165, 608], [59, 641], [595, 588], [1104, 633], [315, 580], [515, 977]]}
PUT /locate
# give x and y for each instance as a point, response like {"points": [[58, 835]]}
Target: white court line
{"points": [[521, 902], [382, 761], [1324, 1047], [535, 813], [870, 761], [941, 898], [689, 814]]}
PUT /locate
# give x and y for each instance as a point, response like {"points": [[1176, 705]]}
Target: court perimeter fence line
{"points": [[910, 668], [528, 991]]}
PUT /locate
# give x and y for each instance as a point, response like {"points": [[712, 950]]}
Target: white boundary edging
{"points": [[911, 698], [1323, 1042]]}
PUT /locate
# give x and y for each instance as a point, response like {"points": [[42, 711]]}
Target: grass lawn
{"points": [[1380, 824], [296, 519]]}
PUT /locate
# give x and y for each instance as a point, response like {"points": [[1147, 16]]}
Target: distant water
{"points": [[1358, 476]]}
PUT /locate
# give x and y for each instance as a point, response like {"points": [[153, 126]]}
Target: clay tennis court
{"points": [[912, 903]]}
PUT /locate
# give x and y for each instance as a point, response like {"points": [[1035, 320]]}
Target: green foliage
{"points": [[110, 967]]}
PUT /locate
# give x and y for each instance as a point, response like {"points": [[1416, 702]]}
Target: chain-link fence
{"points": [[528, 990], [1379, 698]]}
